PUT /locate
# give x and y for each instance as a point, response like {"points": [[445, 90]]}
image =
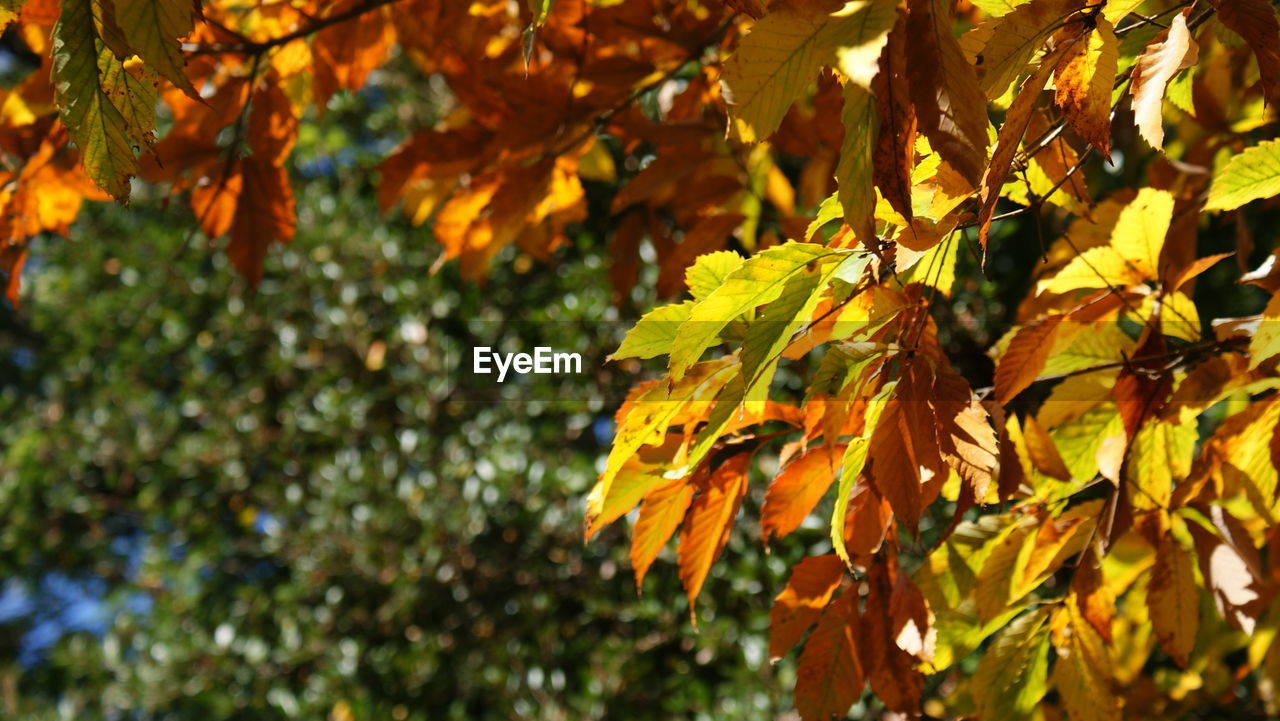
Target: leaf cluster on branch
{"points": [[1109, 499]]}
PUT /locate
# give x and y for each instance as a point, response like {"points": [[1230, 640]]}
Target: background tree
{"points": [[975, 280]]}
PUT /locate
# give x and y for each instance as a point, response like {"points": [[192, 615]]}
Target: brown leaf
{"points": [[895, 145], [829, 674], [1025, 357], [893, 672], [812, 582], [344, 53], [1169, 52], [1010, 137], [949, 105], [1255, 21]]}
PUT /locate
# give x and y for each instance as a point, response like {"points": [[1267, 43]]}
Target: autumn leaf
{"points": [[97, 106], [153, 28], [344, 54], [1024, 358], [1082, 83], [1255, 21], [854, 173], [1082, 672], [663, 508], [759, 280], [895, 143], [1173, 595], [775, 63], [1012, 675], [1002, 48], [796, 491], [1010, 136], [950, 107], [812, 582], [706, 528], [1170, 52], [829, 676]]}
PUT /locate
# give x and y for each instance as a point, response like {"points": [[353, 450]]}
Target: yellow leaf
{"points": [[1179, 317], [774, 65], [1159, 454], [1083, 83], [1003, 48], [1083, 671], [1140, 231], [1011, 677], [1265, 343], [88, 99], [759, 280], [645, 417], [654, 333], [856, 192], [1173, 596]]}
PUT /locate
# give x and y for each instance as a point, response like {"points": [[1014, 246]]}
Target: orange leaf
{"points": [[1025, 357], [706, 528], [797, 489], [813, 580], [1083, 82], [265, 214], [346, 52], [660, 515]]}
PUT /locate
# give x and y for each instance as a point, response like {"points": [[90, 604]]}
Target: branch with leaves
{"points": [[810, 177]]}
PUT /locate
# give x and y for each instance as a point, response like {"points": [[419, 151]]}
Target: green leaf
{"points": [[769, 334], [758, 281], [855, 457], [1011, 679], [709, 271], [654, 333], [90, 100], [857, 193], [152, 28], [134, 94], [1251, 175]]}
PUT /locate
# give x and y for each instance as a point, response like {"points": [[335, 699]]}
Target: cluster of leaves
{"points": [[1113, 485], [1110, 490]]}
